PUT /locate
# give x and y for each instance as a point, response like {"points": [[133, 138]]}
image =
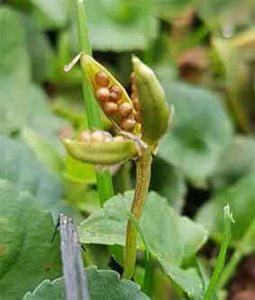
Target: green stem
{"points": [[143, 175], [220, 262], [104, 180]]}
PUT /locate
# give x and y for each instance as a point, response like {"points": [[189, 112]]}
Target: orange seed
{"points": [[102, 79], [103, 94]]}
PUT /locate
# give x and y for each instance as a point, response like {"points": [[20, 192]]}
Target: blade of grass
{"points": [[213, 283], [244, 247], [104, 180]]}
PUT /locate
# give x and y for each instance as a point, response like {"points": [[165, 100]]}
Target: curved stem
{"points": [[143, 175]]}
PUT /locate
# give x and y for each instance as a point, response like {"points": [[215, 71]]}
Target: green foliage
{"points": [[120, 25], [20, 166], [239, 196], [27, 254], [159, 223], [203, 53], [200, 133], [103, 284]]}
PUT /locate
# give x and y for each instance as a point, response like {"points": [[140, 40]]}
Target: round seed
{"points": [[107, 136], [85, 137], [125, 109], [97, 136], [115, 93], [128, 124], [103, 94], [118, 138], [102, 79], [110, 108]]}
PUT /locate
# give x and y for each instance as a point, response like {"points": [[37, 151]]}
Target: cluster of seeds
{"points": [[135, 99], [114, 103], [98, 136]]}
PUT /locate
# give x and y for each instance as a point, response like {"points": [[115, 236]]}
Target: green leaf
{"points": [[31, 104], [120, 25], [27, 254], [238, 160], [40, 51], [103, 284], [240, 197], [168, 182], [44, 151], [170, 238], [200, 133], [14, 60], [50, 14], [20, 166]]}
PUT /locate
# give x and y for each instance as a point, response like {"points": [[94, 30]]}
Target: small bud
{"points": [[110, 108], [128, 124], [125, 109], [154, 110], [103, 94], [115, 93], [102, 79], [85, 137]]}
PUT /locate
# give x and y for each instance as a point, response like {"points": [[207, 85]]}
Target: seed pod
{"points": [[117, 93], [102, 153], [155, 112]]}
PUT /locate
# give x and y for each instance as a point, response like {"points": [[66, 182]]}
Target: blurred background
{"points": [[202, 51]]}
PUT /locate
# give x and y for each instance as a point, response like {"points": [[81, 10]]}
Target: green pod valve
{"points": [[102, 153], [155, 112]]}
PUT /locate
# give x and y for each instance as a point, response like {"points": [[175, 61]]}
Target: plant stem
{"points": [[214, 281], [104, 180], [143, 175]]}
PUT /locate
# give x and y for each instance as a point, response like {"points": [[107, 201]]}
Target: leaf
{"points": [[238, 160], [226, 12], [27, 253], [240, 197], [103, 284], [188, 280], [201, 130], [44, 151], [51, 14], [169, 237], [31, 104], [14, 60], [20, 166], [168, 182], [40, 50], [120, 25]]}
